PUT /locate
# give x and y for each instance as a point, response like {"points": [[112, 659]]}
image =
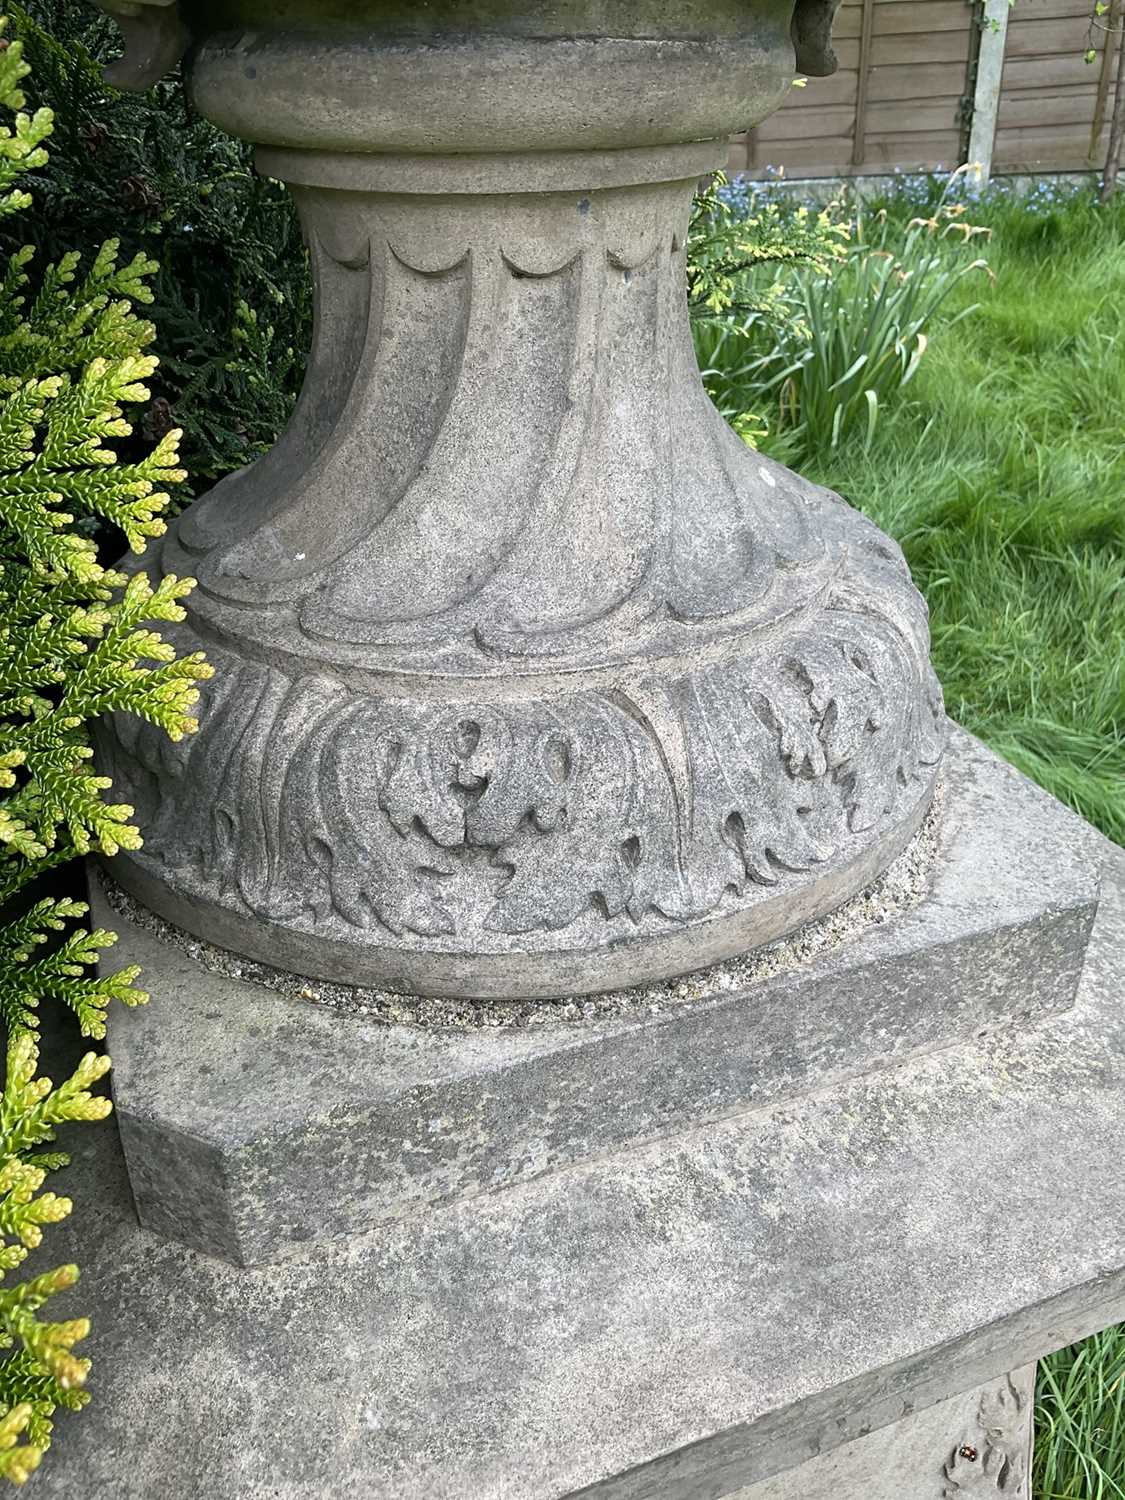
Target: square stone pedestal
{"points": [[254, 1122], [833, 1285]]}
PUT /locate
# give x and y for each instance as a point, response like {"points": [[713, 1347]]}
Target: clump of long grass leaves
{"points": [[1080, 1421], [817, 354]]}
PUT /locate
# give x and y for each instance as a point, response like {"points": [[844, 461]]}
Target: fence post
{"points": [[1109, 51], [986, 98]]}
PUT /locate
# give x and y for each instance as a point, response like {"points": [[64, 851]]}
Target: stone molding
{"points": [[398, 1107]]}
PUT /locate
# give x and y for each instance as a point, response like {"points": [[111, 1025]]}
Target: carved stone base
{"points": [[993, 934], [531, 678]]}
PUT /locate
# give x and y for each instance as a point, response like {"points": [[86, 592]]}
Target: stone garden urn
{"points": [[531, 677]]}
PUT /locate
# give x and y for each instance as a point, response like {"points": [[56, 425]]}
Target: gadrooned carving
{"points": [[513, 636], [993, 1461]]}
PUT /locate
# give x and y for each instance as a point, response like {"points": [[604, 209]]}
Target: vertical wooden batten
{"points": [[866, 29], [751, 149]]}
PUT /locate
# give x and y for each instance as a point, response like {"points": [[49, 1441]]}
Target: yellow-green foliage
{"points": [[77, 640], [41, 1371], [727, 250], [739, 265]]}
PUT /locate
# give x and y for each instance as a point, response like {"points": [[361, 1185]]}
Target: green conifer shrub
{"points": [[232, 296], [77, 640]]}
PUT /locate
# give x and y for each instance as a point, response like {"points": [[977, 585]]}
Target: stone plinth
{"points": [[375, 1121], [683, 1321]]}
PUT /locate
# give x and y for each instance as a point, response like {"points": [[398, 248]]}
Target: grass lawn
{"points": [[1002, 473], [1003, 476]]}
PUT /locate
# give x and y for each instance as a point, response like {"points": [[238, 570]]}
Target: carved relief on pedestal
{"points": [[993, 1459]]}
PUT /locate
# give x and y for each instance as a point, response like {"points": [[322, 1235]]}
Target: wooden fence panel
{"points": [[1049, 96], [905, 18], [902, 99], [897, 100]]}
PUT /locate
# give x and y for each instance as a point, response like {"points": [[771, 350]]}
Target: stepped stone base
{"points": [[822, 1295], [253, 1123]]}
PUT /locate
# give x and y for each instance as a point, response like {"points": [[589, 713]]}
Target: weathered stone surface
{"points": [[531, 678], [674, 1323], [155, 38], [253, 1122]]}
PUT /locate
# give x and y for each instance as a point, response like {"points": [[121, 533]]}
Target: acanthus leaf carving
{"points": [[665, 796]]}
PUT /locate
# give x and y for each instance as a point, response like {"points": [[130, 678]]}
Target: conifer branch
{"points": [[77, 640]]}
